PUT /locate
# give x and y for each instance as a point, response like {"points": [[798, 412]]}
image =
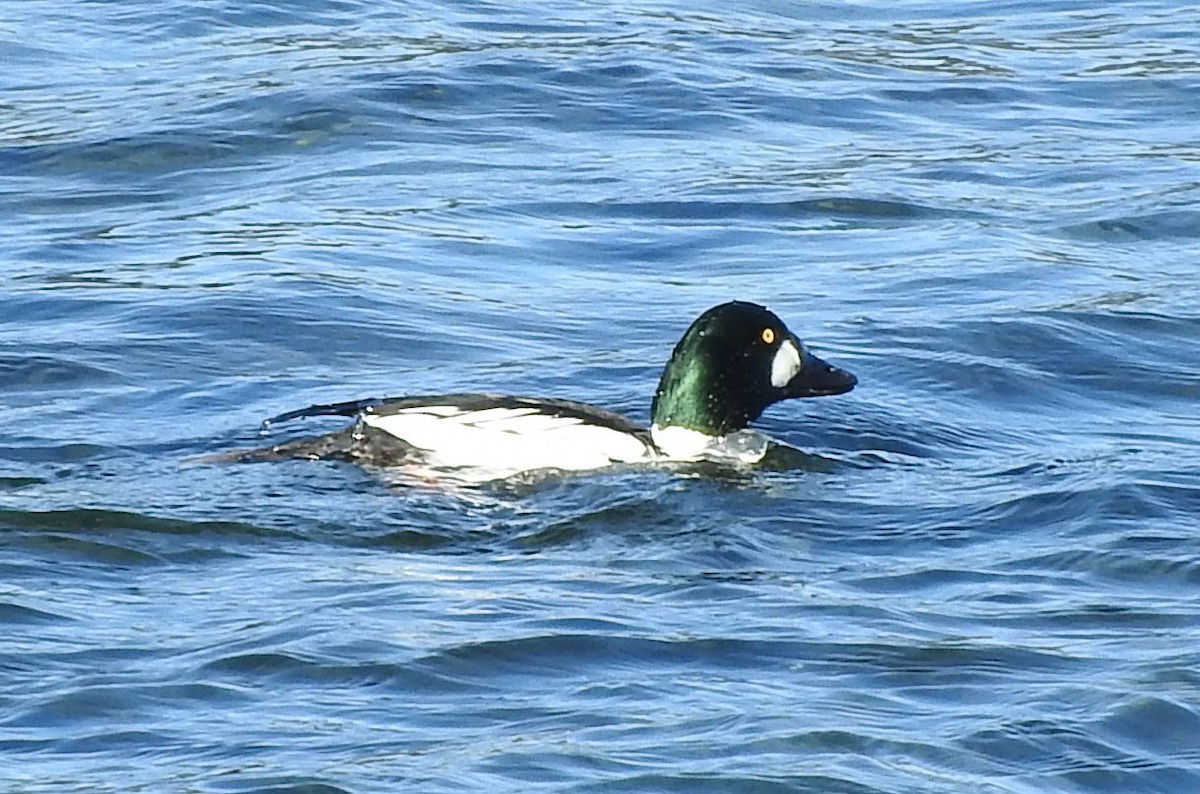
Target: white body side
{"points": [[683, 444], [501, 442]]}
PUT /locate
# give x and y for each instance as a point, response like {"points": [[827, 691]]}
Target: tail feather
{"points": [[357, 444]]}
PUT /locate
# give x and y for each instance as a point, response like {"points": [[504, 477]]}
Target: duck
{"points": [[734, 361]]}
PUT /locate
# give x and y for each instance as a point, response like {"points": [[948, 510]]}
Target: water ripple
{"points": [[975, 572]]}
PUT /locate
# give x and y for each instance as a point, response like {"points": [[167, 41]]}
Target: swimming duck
{"points": [[732, 362]]}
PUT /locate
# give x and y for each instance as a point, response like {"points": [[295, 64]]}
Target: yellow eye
{"points": [[768, 335]]}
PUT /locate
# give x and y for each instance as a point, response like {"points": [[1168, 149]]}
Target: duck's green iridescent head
{"points": [[734, 361]]}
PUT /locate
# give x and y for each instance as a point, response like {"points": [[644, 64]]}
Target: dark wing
{"points": [[550, 406]]}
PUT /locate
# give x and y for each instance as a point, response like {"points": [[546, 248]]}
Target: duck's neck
{"points": [[700, 397], [683, 400]]}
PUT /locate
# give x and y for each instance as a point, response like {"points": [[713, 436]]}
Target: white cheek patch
{"points": [[785, 365]]}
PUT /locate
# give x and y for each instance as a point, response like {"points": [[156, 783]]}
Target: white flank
{"points": [[785, 365], [683, 444], [501, 442]]}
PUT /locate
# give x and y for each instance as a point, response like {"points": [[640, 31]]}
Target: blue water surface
{"points": [[985, 578]]}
